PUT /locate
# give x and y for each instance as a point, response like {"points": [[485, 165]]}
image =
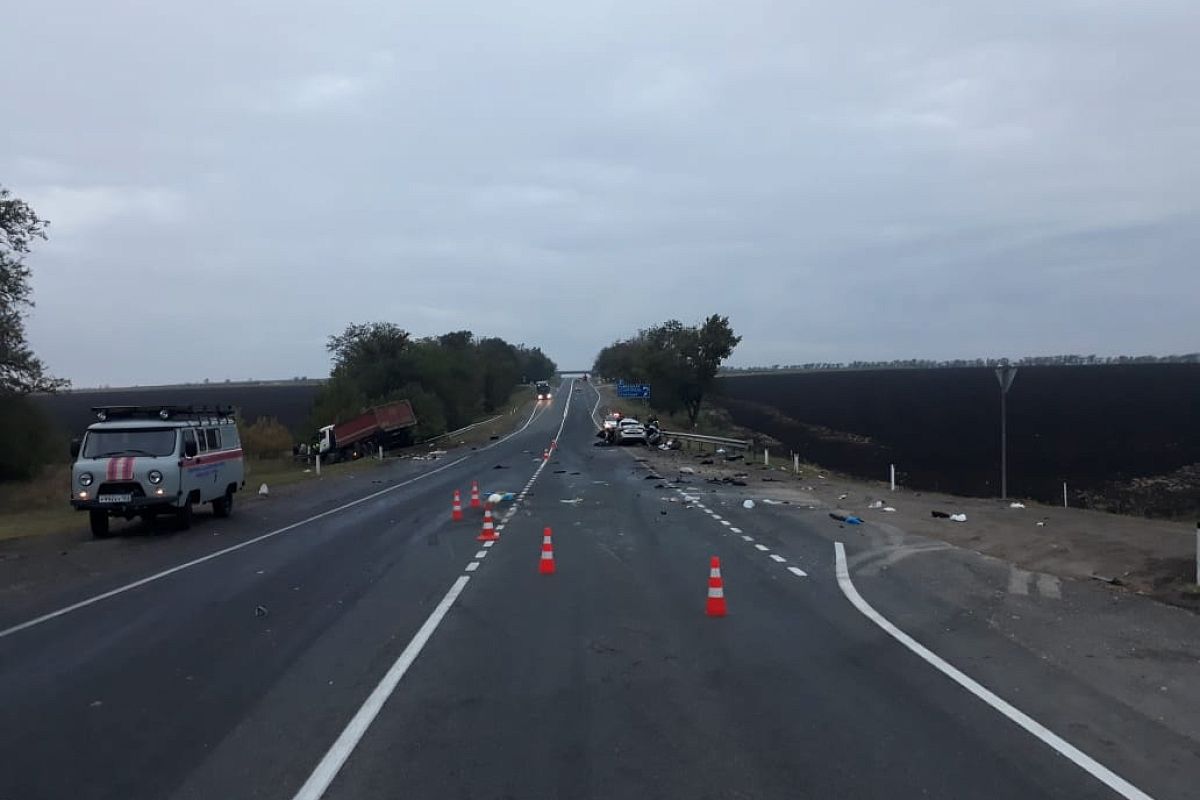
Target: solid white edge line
{"points": [[799, 573], [332, 762], [474, 565], [217, 554], [777, 558], [1048, 737], [263, 537], [324, 773]]}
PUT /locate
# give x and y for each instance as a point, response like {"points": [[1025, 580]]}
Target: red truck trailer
{"points": [[376, 427]]}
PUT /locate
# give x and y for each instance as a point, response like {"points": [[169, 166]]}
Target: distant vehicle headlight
{"points": [[85, 479], [154, 476]]}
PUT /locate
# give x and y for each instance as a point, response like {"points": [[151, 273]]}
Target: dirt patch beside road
{"points": [[1150, 557]]}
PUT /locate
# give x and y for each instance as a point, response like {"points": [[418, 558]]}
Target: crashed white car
{"points": [[630, 431]]}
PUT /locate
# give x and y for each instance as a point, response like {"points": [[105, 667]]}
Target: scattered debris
{"points": [[875, 504], [748, 504], [843, 496], [263, 490], [560, 472], [576, 473], [772, 502], [652, 477], [307, 471], [958, 517], [687, 471], [887, 508], [853, 521], [494, 437], [499, 466], [939, 515], [706, 461], [1015, 504], [1041, 523], [771, 480], [838, 517], [720, 451], [260, 611], [573, 502], [1113, 581]]}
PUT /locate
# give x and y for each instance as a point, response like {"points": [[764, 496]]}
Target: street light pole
{"points": [[1005, 375]]}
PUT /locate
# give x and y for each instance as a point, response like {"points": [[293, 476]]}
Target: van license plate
{"points": [[115, 498]]}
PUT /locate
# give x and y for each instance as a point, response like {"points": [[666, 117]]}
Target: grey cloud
{"points": [[853, 181]]}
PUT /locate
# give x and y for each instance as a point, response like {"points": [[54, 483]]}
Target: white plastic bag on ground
{"points": [[959, 517], [263, 490], [1015, 504], [748, 504]]}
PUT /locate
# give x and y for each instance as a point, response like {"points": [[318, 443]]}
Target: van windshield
{"points": [[136, 442]]}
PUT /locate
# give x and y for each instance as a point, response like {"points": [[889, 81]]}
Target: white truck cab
{"points": [[146, 460]]}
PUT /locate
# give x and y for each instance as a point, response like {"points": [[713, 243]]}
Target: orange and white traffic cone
{"points": [[488, 534], [475, 494], [546, 565], [716, 590], [456, 507]]}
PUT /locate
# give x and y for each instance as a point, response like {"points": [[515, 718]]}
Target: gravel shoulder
{"points": [[1149, 557]]}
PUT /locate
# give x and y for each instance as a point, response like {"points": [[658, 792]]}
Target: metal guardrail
{"points": [[463, 430], [696, 437]]}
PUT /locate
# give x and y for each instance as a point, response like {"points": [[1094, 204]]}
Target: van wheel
{"points": [[183, 516], [223, 506], [99, 522]]}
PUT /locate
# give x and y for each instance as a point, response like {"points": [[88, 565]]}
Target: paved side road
{"points": [[396, 656]]}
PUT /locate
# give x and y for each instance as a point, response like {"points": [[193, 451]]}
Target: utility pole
{"points": [[1005, 375]]}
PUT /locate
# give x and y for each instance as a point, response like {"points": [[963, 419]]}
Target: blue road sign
{"points": [[633, 390]]}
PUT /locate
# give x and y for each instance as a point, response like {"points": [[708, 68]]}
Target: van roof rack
{"points": [[165, 412]]}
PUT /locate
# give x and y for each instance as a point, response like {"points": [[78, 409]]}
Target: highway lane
{"points": [[229, 677], [607, 680], [604, 680]]}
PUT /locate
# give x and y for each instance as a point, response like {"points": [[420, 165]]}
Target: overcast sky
{"points": [[229, 183]]}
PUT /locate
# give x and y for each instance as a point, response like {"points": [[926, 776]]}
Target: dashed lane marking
{"points": [[474, 565], [747, 538], [799, 573], [481, 554], [736, 530], [778, 558], [761, 547]]}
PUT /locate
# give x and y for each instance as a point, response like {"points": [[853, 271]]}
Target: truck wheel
{"points": [[99, 523], [223, 506], [183, 516]]}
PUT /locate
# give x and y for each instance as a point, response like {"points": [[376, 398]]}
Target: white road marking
{"points": [[778, 558], [481, 554], [1048, 737], [747, 538], [1048, 585], [474, 565], [333, 760], [489, 544], [1018, 581], [761, 547], [726, 523], [799, 573], [736, 530], [714, 516]]}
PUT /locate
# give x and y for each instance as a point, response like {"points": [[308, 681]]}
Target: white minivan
{"points": [[146, 460]]}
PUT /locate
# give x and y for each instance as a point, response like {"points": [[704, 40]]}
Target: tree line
{"points": [[1027, 361], [27, 438], [451, 380], [679, 362]]}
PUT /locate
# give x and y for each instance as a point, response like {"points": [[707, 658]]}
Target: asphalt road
{"points": [[380, 651]]}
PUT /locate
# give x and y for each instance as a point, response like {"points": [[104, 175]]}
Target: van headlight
{"points": [[154, 476], [85, 479]]}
